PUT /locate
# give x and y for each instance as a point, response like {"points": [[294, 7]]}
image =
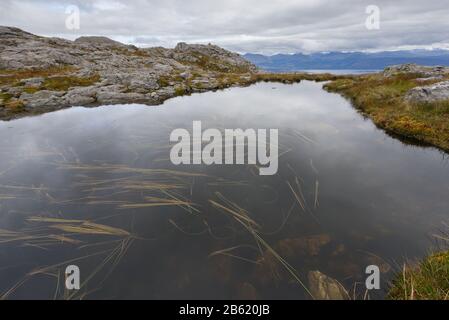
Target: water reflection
{"points": [[95, 187]]}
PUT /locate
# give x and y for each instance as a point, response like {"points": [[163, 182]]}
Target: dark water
{"points": [[67, 178]]}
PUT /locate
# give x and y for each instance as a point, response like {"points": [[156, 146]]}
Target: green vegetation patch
{"points": [[63, 83], [427, 281], [382, 99], [5, 97]]}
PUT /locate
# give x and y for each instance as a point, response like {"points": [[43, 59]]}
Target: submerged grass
{"points": [[44, 233], [243, 218]]}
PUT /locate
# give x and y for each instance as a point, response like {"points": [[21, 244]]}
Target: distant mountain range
{"points": [[348, 60]]}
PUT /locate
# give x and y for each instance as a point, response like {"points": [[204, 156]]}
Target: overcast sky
{"points": [[260, 26]]}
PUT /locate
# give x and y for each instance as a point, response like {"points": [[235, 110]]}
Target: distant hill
{"points": [[348, 60]]}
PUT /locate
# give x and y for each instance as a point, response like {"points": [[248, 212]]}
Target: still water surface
{"points": [[94, 187]]}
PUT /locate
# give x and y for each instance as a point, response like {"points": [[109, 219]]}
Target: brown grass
{"points": [[13, 77]]}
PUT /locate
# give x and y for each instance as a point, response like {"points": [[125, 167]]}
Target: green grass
{"points": [[427, 281], [31, 90], [5, 97], [179, 91], [382, 100], [164, 81], [63, 83]]}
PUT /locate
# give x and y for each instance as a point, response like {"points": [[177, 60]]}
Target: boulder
{"points": [[44, 98], [411, 68], [323, 287], [432, 93]]}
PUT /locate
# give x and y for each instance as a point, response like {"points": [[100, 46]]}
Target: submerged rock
{"points": [[310, 245], [246, 291], [323, 287]]}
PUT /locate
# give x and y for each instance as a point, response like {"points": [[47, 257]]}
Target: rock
{"points": [[43, 98], [103, 42], [269, 270], [435, 92], [185, 75], [216, 57], [119, 97], [411, 68], [429, 79], [33, 82], [126, 74], [246, 291], [81, 96], [340, 249], [323, 287], [310, 245]]}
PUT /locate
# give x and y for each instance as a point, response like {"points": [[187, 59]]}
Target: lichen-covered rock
{"points": [[432, 93], [411, 68]]}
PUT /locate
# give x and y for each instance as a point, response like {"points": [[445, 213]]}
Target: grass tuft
{"points": [[427, 281]]}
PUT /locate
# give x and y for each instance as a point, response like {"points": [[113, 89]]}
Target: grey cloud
{"points": [[265, 26]]}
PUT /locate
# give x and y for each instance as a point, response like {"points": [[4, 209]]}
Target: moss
{"points": [[179, 91], [382, 99], [5, 97], [429, 280], [31, 90], [65, 82], [163, 81]]}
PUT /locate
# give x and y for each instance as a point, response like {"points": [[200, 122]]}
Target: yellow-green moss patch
{"points": [[429, 280], [65, 82]]}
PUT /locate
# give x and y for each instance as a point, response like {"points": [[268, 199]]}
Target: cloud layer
{"points": [[264, 26]]}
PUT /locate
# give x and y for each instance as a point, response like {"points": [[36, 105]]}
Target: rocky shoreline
{"points": [[39, 74]]}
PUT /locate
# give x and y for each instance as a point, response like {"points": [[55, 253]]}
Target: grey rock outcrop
{"points": [[123, 73], [431, 93], [411, 68]]}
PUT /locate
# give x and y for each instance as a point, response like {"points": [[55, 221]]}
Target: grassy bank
{"points": [[429, 280], [382, 99]]}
